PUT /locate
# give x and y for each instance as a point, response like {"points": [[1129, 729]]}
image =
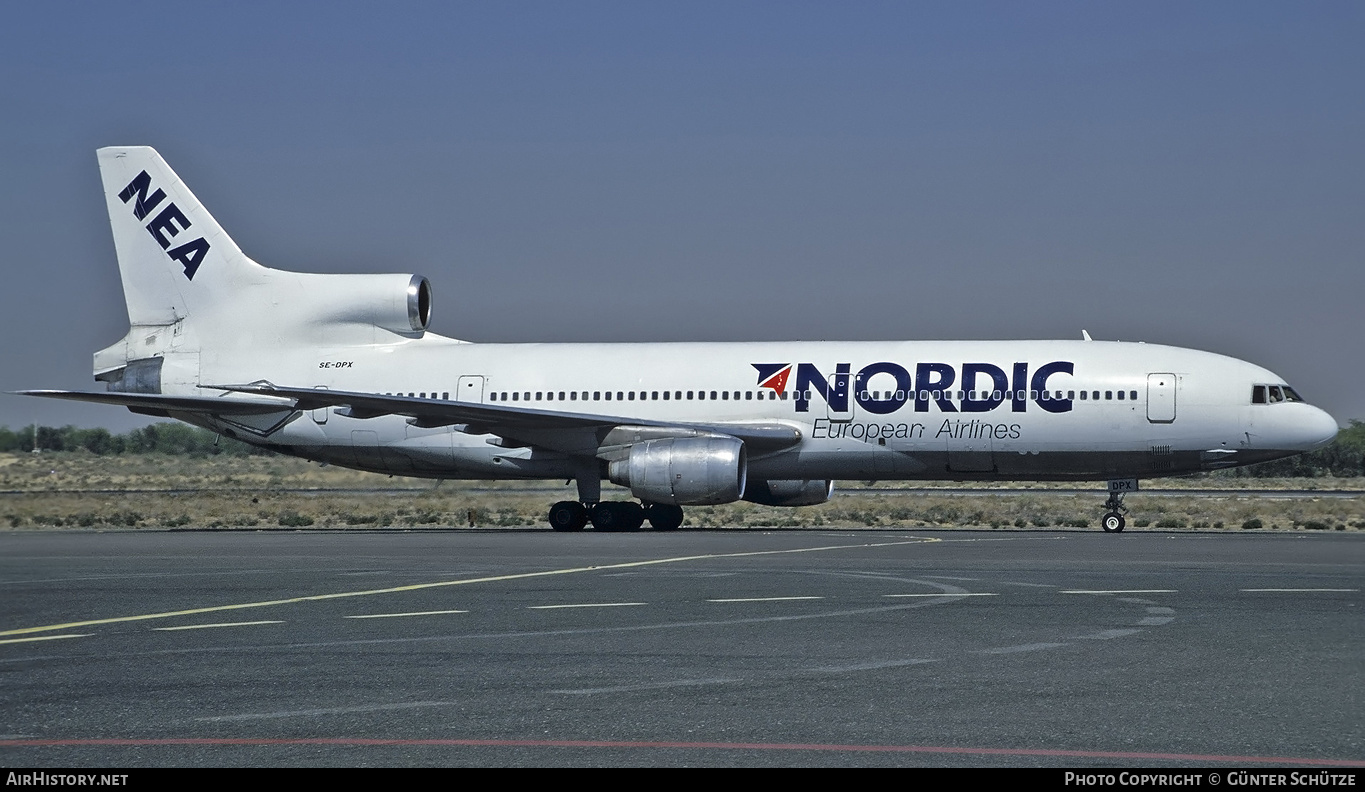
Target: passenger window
{"points": [[1132, 395], [1108, 395], [713, 395], [1120, 395], [1083, 395], [632, 395], [1071, 394]]}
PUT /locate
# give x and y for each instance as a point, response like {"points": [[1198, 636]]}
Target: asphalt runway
{"points": [[718, 648]]}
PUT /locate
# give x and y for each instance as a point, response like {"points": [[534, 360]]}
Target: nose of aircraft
{"points": [[1317, 428]]}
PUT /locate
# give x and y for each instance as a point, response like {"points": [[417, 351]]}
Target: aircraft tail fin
{"points": [[173, 257]]}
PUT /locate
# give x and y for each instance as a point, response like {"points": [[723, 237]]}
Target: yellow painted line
{"points": [[586, 605], [211, 626], [45, 638], [396, 615], [463, 582], [763, 599], [945, 594]]}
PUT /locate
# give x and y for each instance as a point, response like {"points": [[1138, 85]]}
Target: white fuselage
{"points": [[870, 410]]}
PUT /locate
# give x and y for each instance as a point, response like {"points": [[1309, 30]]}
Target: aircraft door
{"points": [[839, 400], [470, 389], [1161, 398]]}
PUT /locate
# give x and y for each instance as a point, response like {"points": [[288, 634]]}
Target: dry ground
{"points": [[79, 490]]}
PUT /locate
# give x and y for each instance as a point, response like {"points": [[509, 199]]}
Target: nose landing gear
{"points": [[1113, 521]]}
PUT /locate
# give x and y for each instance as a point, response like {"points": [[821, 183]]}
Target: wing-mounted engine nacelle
{"points": [[794, 492], [684, 471], [397, 303]]}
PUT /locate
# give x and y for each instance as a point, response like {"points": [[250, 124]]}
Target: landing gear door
{"points": [[1161, 398], [469, 389]]}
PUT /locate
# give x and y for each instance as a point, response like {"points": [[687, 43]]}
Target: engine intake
{"points": [[684, 471]]}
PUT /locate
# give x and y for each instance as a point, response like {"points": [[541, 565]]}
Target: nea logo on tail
{"points": [[169, 223]]}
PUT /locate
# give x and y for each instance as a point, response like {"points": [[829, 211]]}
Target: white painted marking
{"points": [[867, 666], [946, 594], [1029, 585], [397, 615], [1153, 621], [1120, 591], [945, 577], [586, 605], [212, 626], [1298, 590], [328, 711], [1034, 647], [654, 686], [765, 599], [1107, 635], [45, 638]]}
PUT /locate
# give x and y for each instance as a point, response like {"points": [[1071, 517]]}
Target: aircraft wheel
{"points": [[615, 516], [1113, 522], [635, 515], [664, 517], [568, 516]]}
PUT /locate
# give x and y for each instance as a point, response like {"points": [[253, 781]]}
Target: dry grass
{"points": [[78, 490]]}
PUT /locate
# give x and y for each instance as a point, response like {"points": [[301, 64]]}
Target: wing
{"points": [[569, 432]]}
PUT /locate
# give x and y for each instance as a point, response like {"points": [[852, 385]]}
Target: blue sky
{"points": [[1182, 173]]}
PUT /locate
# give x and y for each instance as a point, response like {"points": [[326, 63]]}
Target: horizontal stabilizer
{"points": [[141, 402]]}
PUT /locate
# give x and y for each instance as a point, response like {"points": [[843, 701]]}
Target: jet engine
{"points": [[793, 492], [684, 471], [398, 303]]}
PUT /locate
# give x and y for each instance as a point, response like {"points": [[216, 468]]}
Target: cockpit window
{"points": [[1274, 394]]}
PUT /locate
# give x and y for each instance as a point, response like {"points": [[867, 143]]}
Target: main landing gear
{"points": [[614, 516], [1113, 521]]}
